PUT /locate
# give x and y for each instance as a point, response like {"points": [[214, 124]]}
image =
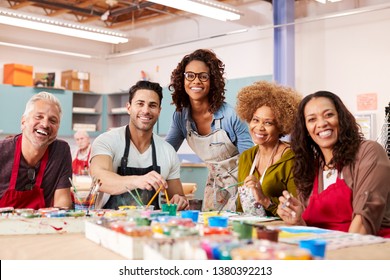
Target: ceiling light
{"points": [[62, 27], [207, 8], [45, 50]]}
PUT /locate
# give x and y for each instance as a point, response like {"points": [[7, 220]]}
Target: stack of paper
{"points": [[83, 110], [84, 126]]}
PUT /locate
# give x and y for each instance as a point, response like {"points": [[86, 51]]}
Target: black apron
{"points": [[126, 199]]}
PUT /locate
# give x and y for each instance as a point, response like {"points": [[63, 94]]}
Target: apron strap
{"points": [[126, 153], [125, 156], [15, 166]]}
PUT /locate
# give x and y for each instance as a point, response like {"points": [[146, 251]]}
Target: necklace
{"points": [[330, 169]]}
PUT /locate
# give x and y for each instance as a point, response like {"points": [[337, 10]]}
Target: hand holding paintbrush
{"points": [[290, 209]]}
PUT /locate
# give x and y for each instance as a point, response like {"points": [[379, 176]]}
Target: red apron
{"points": [[80, 167], [330, 209], [25, 199]]}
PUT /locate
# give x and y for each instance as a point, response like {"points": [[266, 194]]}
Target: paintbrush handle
{"points": [[166, 196], [154, 196], [233, 185]]}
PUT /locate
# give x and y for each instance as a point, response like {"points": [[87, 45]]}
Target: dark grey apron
{"points": [[126, 199]]}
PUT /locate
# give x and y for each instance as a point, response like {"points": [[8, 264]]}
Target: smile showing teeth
{"points": [[42, 132], [325, 133], [259, 135], [196, 88], [145, 118]]}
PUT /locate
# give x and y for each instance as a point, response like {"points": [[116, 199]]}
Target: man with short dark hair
{"points": [[133, 159]]}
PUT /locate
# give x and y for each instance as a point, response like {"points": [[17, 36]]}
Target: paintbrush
{"points": [[233, 185], [93, 193], [166, 196], [287, 202], [154, 196], [135, 198], [75, 190]]}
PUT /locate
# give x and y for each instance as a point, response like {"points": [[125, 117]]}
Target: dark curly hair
{"points": [[283, 102], [217, 82], [146, 85], [308, 153]]}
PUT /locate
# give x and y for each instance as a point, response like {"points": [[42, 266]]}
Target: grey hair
{"points": [[43, 95]]}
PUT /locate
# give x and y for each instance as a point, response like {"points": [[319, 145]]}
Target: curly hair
{"points": [[216, 95], [308, 154], [283, 102]]}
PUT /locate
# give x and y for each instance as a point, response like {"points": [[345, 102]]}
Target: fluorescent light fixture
{"points": [[207, 8], [45, 50], [321, 1], [62, 27]]}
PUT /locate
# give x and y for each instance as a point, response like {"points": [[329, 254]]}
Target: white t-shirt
{"points": [[112, 143]]}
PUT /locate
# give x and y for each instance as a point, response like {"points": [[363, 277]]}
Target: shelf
{"points": [[86, 111], [117, 109], [50, 88]]}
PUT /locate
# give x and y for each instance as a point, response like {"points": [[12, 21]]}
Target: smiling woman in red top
{"points": [[342, 179]]}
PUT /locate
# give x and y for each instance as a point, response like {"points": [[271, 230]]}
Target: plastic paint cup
{"points": [[315, 246], [243, 229], [267, 234], [207, 215], [218, 221], [192, 214], [171, 208]]}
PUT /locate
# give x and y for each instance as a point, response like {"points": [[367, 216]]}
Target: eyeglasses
{"points": [[31, 177], [202, 76]]}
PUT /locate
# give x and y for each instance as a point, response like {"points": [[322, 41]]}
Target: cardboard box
{"points": [[18, 74], [75, 80]]}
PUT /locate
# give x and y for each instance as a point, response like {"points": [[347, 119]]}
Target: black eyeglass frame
{"points": [[197, 75]]}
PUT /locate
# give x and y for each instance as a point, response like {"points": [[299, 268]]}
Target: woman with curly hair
{"points": [[266, 168], [342, 179], [210, 125]]}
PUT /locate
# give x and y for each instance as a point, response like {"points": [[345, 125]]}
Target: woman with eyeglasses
{"points": [[266, 169], [208, 124]]}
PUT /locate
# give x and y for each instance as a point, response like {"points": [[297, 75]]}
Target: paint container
{"points": [[315, 246], [268, 234], [243, 229], [207, 215], [143, 221], [171, 208], [191, 214], [218, 221]]}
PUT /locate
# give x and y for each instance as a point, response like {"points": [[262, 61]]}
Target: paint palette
{"points": [[19, 225]]}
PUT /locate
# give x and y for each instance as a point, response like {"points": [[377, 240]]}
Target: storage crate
{"points": [[75, 80], [18, 74]]}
